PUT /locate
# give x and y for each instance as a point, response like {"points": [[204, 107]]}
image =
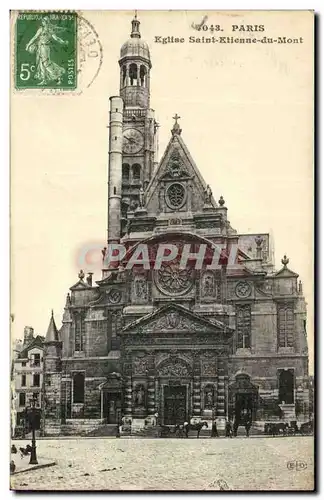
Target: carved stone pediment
{"points": [[174, 318]]}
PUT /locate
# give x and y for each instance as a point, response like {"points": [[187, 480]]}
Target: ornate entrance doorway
{"points": [[243, 399], [175, 404]]}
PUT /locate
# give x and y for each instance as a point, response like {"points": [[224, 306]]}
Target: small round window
{"points": [[176, 195]]}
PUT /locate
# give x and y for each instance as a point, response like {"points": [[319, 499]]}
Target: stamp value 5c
{"points": [[46, 50]]}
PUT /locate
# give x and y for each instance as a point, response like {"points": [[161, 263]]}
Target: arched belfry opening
{"points": [[124, 76], [143, 76], [133, 74]]}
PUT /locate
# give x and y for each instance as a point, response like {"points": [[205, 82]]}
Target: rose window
{"points": [[174, 281], [114, 296], [176, 195], [243, 289]]}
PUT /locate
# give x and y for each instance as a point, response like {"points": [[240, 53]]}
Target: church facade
{"points": [[165, 341]]}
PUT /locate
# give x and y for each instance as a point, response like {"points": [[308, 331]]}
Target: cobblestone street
{"points": [[171, 464]]}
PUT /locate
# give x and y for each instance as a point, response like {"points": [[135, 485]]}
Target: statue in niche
{"points": [[141, 288], [209, 398], [208, 286], [141, 197], [139, 396]]}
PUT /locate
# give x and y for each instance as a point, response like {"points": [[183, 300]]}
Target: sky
{"points": [[246, 117]]}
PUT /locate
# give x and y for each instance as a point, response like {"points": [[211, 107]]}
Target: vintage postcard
{"points": [[162, 243]]}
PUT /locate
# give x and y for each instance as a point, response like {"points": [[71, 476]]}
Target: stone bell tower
{"points": [[135, 65], [139, 144]]}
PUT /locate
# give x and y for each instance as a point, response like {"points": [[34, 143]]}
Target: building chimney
{"points": [[28, 334]]}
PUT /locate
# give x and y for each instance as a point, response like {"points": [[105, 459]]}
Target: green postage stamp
{"points": [[46, 50]]}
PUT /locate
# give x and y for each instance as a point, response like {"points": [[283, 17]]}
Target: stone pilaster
{"points": [[128, 396], [151, 408], [196, 396], [221, 388]]}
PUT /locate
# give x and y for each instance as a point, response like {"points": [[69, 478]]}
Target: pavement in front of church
{"points": [[281, 463]]}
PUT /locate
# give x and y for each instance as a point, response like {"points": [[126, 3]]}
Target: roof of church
{"points": [[177, 143], [52, 332]]}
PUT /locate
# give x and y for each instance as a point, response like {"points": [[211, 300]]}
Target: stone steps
{"points": [[103, 430]]}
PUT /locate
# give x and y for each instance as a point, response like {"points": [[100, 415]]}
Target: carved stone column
{"points": [[128, 388], [150, 383], [221, 386], [196, 396]]}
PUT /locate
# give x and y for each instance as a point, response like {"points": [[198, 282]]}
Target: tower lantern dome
{"points": [[135, 46], [135, 65]]}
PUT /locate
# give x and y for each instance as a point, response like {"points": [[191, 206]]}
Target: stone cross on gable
{"points": [[176, 117], [176, 127]]}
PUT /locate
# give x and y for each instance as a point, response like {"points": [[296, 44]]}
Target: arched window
{"points": [[125, 172], [286, 325], [136, 171], [133, 74], [143, 76], [243, 326], [79, 329], [78, 388], [286, 386]]}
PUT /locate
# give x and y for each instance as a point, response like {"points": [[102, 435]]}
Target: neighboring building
{"points": [[183, 343], [27, 375]]}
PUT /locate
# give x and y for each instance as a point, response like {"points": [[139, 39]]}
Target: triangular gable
{"points": [[173, 317], [80, 285], [177, 165], [286, 273]]}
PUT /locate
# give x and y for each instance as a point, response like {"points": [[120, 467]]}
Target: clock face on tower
{"points": [[133, 141]]}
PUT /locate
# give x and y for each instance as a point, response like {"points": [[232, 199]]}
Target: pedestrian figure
{"points": [[214, 431], [228, 429], [12, 467]]}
